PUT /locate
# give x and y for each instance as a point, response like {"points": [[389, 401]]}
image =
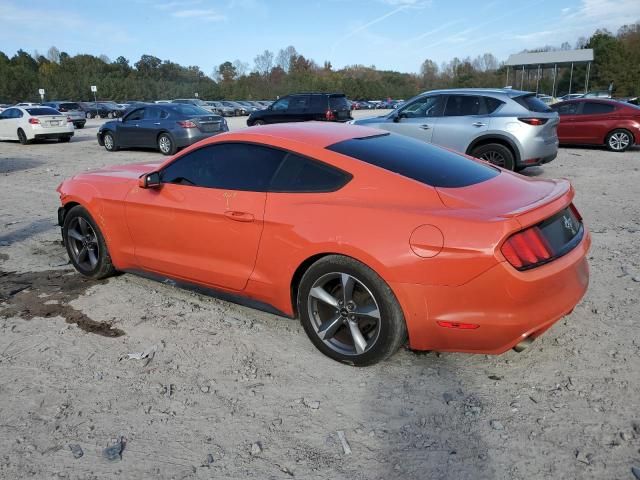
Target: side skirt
{"points": [[210, 292]]}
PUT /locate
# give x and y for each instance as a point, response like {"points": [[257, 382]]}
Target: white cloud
{"points": [[207, 14]]}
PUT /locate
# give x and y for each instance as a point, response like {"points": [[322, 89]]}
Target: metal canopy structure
{"points": [[540, 60]]}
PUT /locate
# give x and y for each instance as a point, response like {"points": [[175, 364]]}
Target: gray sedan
{"points": [[509, 128], [166, 127]]}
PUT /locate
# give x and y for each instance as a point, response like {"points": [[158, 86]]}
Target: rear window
{"points": [[532, 103], [338, 103], [34, 112], [418, 160], [597, 108], [70, 106], [190, 110]]}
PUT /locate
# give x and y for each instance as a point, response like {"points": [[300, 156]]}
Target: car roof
{"points": [[319, 134], [499, 91]]}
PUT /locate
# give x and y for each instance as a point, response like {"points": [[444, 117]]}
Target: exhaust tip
{"points": [[523, 345]]}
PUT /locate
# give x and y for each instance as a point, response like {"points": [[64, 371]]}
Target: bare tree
{"points": [[263, 63], [53, 55], [283, 60], [241, 67], [104, 58]]}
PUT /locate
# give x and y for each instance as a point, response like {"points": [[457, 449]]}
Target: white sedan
{"points": [[34, 123]]}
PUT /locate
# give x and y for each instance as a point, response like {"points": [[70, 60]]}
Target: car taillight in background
{"points": [[187, 124], [534, 121], [34, 121], [69, 120], [329, 115], [545, 241]]}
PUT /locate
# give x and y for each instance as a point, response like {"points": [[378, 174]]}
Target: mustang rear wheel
{"points": [[85, 244], [349, 313]]}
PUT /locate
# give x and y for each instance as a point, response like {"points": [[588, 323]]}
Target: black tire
{"points": [[381, 340], [619, 140], [257, 123], [103, 267], [166, 145], [110, 115], [496, 154], [64, 139], [89, 115], [110, 142], [79, 125], [22, 137]]}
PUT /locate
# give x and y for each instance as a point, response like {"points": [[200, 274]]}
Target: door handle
{"points": [[239, 216], [479, 124], [156, 123], [425, 126]]}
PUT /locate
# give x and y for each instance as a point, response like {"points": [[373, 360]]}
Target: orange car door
{"points": [[204, 222]]}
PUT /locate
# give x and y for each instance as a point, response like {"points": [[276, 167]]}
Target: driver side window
{"points": [[135, 115], [423, 107], [281, 105]]}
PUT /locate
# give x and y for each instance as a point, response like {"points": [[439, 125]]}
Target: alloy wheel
{"points": [[619, 141], [344, 313], [164, 143], [84, 245], [108, 142], [493, 157]]}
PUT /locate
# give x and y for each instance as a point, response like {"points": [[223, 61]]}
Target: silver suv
{"points": [[509, 128]]}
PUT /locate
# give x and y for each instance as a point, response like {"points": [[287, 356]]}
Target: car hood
{"points": [[370, 120], [130, 171]]}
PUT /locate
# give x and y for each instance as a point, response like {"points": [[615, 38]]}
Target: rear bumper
{"points": [[51, 136], [538, 151], [508, 305], [187, 137]]}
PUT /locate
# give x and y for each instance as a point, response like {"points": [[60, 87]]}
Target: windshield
{"points": [[34, 112]]}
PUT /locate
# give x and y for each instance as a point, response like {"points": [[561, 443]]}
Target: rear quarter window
{"points": [[300, 174], [338, 103], [597, 108], [420, 161], [532, 103]]}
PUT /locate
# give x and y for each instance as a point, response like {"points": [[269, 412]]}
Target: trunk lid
{"points": [[208, 123], [49, 121]]}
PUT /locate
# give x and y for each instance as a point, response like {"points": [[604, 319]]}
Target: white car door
{"points": [[8, 124]]}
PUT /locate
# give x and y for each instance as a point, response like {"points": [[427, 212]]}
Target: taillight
{"points": [[329, 115], [34, 121], [534, 121], [187, 124], [69, 120], [526, 249]]}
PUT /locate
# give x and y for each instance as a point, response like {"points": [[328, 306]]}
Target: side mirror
{"points": [[396, 117], [149, 180]]}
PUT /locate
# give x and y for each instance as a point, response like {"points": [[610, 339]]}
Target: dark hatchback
{"points": [[165, 127], [302, 107]]}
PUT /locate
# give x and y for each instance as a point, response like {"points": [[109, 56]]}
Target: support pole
{"points": [[586, 80], [522, 79], [555, 75], [570, 79], [507, 84], [537, 79]]}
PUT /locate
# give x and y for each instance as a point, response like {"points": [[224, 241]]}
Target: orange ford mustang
{"points": [[369, 237]]}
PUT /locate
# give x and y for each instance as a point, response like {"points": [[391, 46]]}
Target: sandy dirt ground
{"points": [[232, 393]]}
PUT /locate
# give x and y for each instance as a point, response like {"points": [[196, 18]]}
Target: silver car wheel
{"points": [[344, 313], [164, 144], [108, 142], [493, 157], [84, 243], [619, 141]]}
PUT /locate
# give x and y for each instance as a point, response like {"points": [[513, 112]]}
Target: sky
{"points": [[390, 34]]}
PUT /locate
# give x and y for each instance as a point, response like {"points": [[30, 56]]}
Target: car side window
{"points": [[5, 114], [423, 107], [462, 105], [596, 108], [228, 166], [492, 104], [164, 114], [300, 102], [567, 109], [151, 113], [135, 115], [281, 105], [303, 175]]}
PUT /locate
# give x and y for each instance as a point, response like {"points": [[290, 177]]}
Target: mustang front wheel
{"points": [[85, 244], [349, 313]]}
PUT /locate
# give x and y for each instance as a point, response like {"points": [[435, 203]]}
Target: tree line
{"points": [[617, 60]]}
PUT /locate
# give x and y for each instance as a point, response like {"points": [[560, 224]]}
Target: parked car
{"points": [[26, 104], [588, 121], [597, 94], [166, 127], [196, 102], [162, 101], [221, 109], [547, 99], [97, 110], [26, 124], [238, 108], [249, 107], [3, 107], [117, 109], [71, 109], [570, 96], [509, 128], [301, 107], [283, 218]]}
